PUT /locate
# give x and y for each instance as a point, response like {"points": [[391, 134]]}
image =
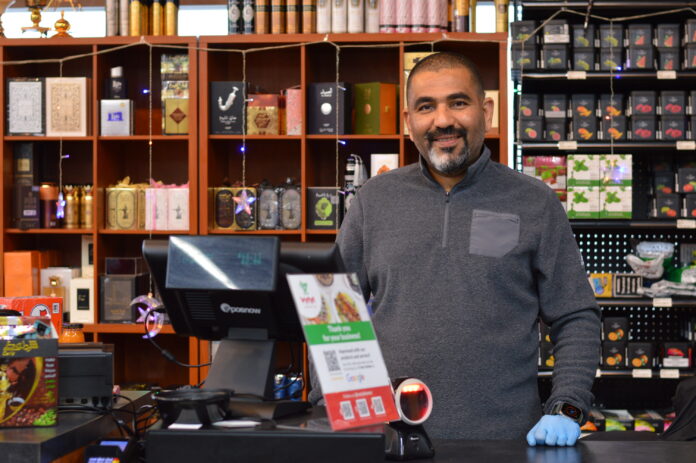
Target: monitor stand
{"points": [[245, 366]]}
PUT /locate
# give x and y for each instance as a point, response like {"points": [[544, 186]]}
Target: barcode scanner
{"points": [[406, 439]]}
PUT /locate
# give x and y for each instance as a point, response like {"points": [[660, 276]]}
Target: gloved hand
{"points": [[554, 430]]}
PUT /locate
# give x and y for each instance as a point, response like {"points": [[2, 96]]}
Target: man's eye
{"points": [[425, 107], [459, 104]]}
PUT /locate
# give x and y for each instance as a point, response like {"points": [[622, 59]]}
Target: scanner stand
{"points": [[406, 442]]}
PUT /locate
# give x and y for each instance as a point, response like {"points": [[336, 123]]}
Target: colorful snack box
{"points": [[601, 284]]}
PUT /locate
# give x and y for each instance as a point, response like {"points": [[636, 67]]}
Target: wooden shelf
{"points": [[50, 231], [322, 232], [44, 138], [625, 374], [105, 231], [354, 137], [254, 232], [255, 137], [123, 328], [146, 138]]}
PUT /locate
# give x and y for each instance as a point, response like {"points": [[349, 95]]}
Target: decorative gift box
{"points": [[125, 206], [176, 116], [25, 106], [375, 108], [67, 108], [227, 107], [263, 114], [116, 117]]}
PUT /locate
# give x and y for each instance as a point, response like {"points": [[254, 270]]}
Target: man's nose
{"points": [[443, 116]]}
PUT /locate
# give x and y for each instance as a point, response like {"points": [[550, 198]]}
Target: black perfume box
{"points": [[615, 329], [689, 210], [227, 107], [556, 129], [690, 56], [686, 180], [555, 106], [668, 59], [690, 31], [673, 127], [554, 56], [663, 182], [643, 103], [324, 101], [584, 105], [521, 30], [524, 57], [613, 355], [611, 35], [643, 128], [529, 105], [324, 208], [584, 59], [640, 355], [116, 293], [556, 31], [668, 35], [610, 59], [531, 128], [26, 157], [585, 129], [124, 265], [614, 128], [584, 38], [26, 206], [667, 206], [611, 105], [639, 35], [640, 58]]}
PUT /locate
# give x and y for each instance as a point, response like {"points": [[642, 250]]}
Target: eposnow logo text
{"points": [[226, 308]]}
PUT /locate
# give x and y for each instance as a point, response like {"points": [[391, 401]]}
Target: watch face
{"points": [[268, 209], [571, 411], [291, 209]]}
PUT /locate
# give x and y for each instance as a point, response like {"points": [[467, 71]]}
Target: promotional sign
{"points": [[344, 349]]}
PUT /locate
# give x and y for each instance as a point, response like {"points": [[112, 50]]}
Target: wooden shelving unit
{"points": [[204, 160]]}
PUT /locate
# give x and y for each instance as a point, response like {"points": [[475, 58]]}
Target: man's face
{"points": [[447, 119], [15, 369]]}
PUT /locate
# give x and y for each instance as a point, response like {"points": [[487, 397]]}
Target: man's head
{"points": [[16, 367], [447, 114]]}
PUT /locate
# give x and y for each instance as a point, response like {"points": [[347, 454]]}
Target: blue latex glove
{"points": [[554, 430]]}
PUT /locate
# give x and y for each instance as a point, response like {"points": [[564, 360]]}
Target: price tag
{"points": [[667, 74], [669, 373], [598, 374], [569, 145], [662, 302], [686, 223], [688, 145], [576, 75], [641, 373]]}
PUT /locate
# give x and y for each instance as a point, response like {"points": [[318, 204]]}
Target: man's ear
{"points": [[407, 120], [488, 106]]}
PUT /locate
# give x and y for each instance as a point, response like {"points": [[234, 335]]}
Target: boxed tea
{"points": [[643, 103], [689, 210], [613, 355], [554, 57], [673, 103], [663, 182], [644, 128], [673, 128], [551, 170], [616, 202], [584, 105], [614, 128], [667, 206], [616, 169], [615, 329], [668, 35], [584, 59], [583, 170], [610, 59], [585, 129], [640, 58], [529, 105], [524, 57], [555, 106], [611, 35], [583, 37], [641, 355], [323, 208], [531, 128], [556, 31], [556, 129], [583, 202], [639, 35], [668, 59], [522, 30]]}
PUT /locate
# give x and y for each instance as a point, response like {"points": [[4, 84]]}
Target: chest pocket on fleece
{"points": [[493, 234]]}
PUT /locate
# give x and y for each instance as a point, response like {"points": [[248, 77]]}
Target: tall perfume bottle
{"points": [[116, 84]]}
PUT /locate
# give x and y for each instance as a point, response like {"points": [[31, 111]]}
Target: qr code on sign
{"points": [[347, 411], [332, 360], [363, 409], [378, 406]]}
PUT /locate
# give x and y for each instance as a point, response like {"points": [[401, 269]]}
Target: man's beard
{"points": [[448, 162]]}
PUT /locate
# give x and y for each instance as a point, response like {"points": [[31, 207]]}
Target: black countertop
{"points": [[74, 430]]}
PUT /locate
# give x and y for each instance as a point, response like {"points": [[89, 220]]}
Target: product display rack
{"points": [[605, 243], [204, 160]]}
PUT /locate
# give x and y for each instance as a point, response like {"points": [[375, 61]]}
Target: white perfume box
{"points": [[156, 210], [178, 209], [116, 117]]}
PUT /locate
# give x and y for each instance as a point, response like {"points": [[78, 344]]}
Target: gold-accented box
{"points": [[223, 208], [125, 208], [176, 116], [263, 114]]}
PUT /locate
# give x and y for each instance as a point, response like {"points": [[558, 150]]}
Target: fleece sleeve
{"points": [[567, 304]]}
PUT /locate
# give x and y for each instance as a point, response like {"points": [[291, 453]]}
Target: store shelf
{"points": [[620, 4], [256, 137], [603, 145], [105, 231], [624, 374], [49, 231], [122, 328], [322, 232], [650, 224], [644, 302], [254, 232], [147, 137], [590, 75], [354, 137], [44, 138]]}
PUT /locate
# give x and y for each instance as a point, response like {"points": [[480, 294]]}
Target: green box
{"points": [[583, 170], [616, 202], [375, 108], [583, 202]]}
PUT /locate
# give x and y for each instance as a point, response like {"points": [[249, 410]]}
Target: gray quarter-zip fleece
{"points": [[459, 280]]}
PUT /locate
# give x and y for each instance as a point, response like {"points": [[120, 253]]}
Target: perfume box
{"points": [[643, 103], [116, 117], [82, 301], [381, 163], [245, 208], [667, 206], [125, 208], [176, 116], [585, 129], [323, 208], [644, 128], [611, 35], [375, 108], [584, 59], [614, 128], [327, 106], [555, 105], [582, 37], [610, 59], [55, 282], [583, 202], [668, 59], [87, 256], [555, 57], [67, 108], [556, 129], [616, 202], [584, 106], [611, 105], [524, 56], [124, 265], [25, 106], [227, 107], [640, 58], [673, 127], [178, 208], [293, 111], [531, 128], [26, 206], [673, 103], [174, 66], [156, 210], [116, 293], [668, 35], [263, 114], [640, 35], [529, 105], [223, 206]]}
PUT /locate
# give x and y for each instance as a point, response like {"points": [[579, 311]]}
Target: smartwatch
{"points": [[569, 410]]}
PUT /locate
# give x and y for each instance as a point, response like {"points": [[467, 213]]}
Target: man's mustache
{"points": [[447, 131]]}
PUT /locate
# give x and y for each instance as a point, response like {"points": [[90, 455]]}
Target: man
{"points": [[462, 256]]}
